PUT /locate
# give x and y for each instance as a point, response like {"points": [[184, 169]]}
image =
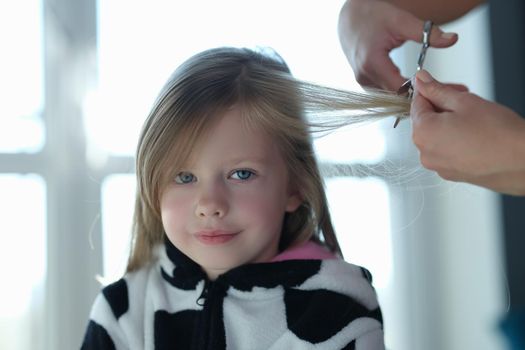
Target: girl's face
{"points": [[226, 207]]}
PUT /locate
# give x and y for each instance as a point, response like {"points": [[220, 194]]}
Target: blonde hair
{"points": [[271, 100]]}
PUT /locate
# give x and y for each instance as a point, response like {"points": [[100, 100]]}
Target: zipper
{"points": [[211, 299], [201, 300]]}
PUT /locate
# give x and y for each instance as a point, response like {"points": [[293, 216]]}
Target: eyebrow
{"points": [[235, 161], [251, 159]]}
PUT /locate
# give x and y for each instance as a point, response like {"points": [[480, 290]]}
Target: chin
{"points": [[214, 271], [219, 266]]}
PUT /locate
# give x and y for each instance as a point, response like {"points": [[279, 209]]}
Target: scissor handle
{"points": [[407, 89], [427, 28]]}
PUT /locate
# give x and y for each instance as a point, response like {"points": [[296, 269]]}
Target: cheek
{"points": [[261, 205], [173, 210]]}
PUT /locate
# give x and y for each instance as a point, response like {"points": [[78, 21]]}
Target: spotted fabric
{"points": [[292, 304]]}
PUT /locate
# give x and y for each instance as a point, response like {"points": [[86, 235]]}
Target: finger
{"points": [[412, 29], [458, 87], [440, 95], [380, 72], [420, 108], [440, 39], [388, 75], [424, 118]]}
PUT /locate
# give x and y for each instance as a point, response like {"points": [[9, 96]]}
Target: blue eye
{"points": [[242, 174], [184, 178]]}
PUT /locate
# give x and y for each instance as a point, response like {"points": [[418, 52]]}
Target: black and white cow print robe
{"points": [[292, 304]]}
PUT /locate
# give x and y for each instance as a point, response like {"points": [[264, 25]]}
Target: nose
{"points": [[212, 202]]}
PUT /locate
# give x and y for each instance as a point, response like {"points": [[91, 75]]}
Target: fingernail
{"points": [[424, 76], [448, 35]]}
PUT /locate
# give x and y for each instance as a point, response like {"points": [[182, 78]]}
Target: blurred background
{"points": [[77, 81]]}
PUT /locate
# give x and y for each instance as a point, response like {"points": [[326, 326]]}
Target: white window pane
{"points": [[21, 69], [22, 260], [135, 61], [361, 214], [118, 201]]}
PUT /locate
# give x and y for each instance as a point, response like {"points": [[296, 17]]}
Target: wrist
{"points": [[519, 150], [512, 181]]}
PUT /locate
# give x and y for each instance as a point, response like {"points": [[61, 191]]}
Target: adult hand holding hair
{"points": [[466, 138], [370, 29]]}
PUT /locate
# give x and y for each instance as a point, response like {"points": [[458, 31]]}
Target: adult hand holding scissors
{"points": [[370, 29]]}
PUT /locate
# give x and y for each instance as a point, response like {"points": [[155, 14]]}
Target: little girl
{"points": [[233, 246]]}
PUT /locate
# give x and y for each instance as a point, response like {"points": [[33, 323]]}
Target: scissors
{"points": [[407, 89]]}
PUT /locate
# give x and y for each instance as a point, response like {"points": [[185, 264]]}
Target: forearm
{"points": [[513, 182], [511, 178], [439, 11]]}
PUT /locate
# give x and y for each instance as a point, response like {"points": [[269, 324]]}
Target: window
{"points": [[21, 69], [22, 258], [81, 77], [23, 252]]}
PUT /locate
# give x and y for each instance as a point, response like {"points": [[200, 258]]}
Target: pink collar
{"points": [[307, 251]]}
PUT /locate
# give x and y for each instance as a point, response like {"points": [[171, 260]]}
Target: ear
{"points": [[293, 202]]}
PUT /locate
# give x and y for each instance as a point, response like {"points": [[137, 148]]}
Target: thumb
{"points": [[412, 29], [421, 108], [443, 97]]}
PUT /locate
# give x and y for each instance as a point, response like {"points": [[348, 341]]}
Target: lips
{"points": [[215, 237]]}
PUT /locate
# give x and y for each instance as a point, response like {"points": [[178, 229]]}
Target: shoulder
{"points": [[110, 319], [103, 330], [116, 295], [343, 280], [338, 304], [132, 285]]}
